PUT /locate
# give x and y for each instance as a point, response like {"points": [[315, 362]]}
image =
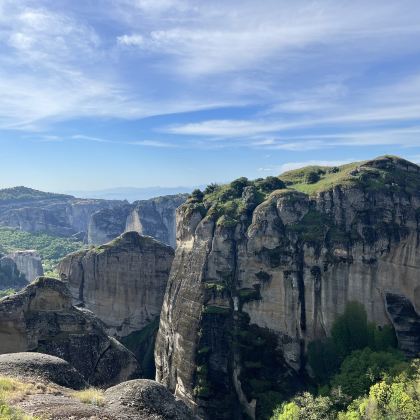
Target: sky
{"points": [[98, 94]]}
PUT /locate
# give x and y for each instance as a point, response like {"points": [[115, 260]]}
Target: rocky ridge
{"points": [[263, 268], [56, 214]]}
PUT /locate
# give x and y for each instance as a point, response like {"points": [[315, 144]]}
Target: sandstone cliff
{"points": [[28, 263], [10, 276], [123, 283], [42, 318], [154, 217], [261, 270]]}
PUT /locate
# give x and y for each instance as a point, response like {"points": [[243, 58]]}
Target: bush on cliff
{"points": [[351, 331]]}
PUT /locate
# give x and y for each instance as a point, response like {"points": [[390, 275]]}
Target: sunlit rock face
{"points": [[154, 217], [123, 283], [257, 271]]}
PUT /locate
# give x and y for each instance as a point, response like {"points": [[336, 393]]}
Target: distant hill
{"points": [[28, 194], [132, 194]]}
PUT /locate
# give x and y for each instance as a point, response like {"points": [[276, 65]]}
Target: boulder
{"points": [[44, 367], [144, 399]]}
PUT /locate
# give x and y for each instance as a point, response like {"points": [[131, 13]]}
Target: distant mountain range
{"points": [[132, 193]]}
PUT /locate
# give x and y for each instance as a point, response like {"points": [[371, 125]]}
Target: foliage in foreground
{"points": [[360, 375], [92, 396], [397, 398], [10, 390]]}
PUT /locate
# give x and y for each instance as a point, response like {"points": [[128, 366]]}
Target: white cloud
{"points": [[131, 40]]}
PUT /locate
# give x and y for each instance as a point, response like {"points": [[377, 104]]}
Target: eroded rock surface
{"points": [[42, 318], [261, 271], [41, 367], [10, 276], [28, 263], [154, 217], [56, 214], [123, 283], [144, 399]]}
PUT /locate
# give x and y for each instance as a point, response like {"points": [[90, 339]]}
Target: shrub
{"points": [[363, 368], [90, 396], [197, 195], [312, 177], [238, 185], [271, 183]]}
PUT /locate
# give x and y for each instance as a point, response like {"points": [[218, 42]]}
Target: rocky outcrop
{"points": [[406, 322], [42, 318], [42, 367], [143, 399], [262, 270], [105, 225], [123, 283], [49, 385], [28, 263], [56, 214], [10, 276], [154, 217]]}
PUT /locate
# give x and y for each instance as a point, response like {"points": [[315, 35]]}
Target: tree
{"points": [[312, 177], [363, 368]]}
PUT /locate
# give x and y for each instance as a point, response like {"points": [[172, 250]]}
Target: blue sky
{"points": [[97, 94]]}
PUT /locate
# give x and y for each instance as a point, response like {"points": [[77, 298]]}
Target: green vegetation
{"points": [[13, 390], [51, 248], [359, 374], [91, 396], [390, 398], [351, 331], [388, 174], [8, 292], [217, 310], [142, 344], [27, 194], [313, 227], [313, 179], [228, 204]]}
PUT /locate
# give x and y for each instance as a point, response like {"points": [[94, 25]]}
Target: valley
{"points": [[284, 297]]}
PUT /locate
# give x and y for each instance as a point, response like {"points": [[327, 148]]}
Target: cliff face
{"points": [[262, 270], [154, 217], [10, 276], [57, 214], [42, 318], [123, 283], [28, 263]]}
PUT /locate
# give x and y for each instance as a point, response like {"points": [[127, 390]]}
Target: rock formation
{"points": [[154, 217], [10, 276], [143, 399], [42, 318], [49, 385], [28, 263], [123, 283], [57, 214], [261, 270], [44, 367]]}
